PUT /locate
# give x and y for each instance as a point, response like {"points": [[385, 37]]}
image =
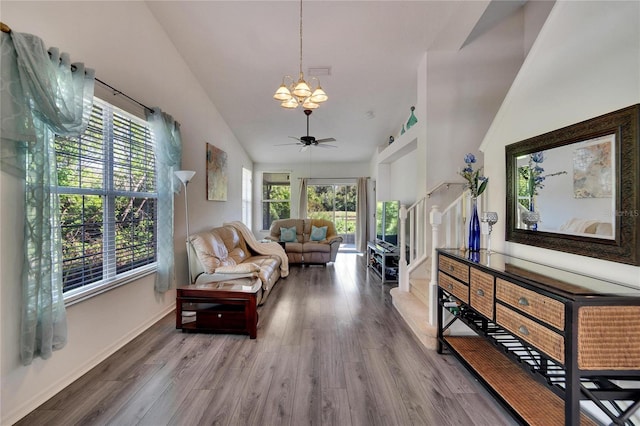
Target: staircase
{"points": [[417, 278]]}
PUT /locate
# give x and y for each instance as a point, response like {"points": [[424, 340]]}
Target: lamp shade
{"points": [[319, 95], [309, 104], [291, 103], [302, 89], [185, 176], [282, 94]]}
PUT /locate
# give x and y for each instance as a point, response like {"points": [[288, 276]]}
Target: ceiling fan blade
{"points": [[298, 139], [304, 148], [326, 146], [326, 140], [288, 144]]}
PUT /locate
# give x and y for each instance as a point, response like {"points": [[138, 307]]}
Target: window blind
{"points": [[107, 190]]}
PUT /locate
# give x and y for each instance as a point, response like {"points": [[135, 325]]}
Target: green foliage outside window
{"points": [[106, 186], [336, 203]]}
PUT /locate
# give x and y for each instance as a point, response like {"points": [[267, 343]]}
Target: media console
{"points": [[383, 258], [546, 339]]}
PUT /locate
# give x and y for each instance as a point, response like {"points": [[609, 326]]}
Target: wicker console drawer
{"points": [[609, 337], [481, 292], [454, 287], [541, 307], [454, 268], [541, 337]]}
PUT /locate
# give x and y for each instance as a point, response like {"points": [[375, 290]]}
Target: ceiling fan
{"points": [[306, 141]]}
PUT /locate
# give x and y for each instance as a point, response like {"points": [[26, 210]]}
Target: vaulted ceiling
{"points": [[240, 50]]}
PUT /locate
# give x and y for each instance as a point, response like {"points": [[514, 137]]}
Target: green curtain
{"points": [[168, 148], [43, 94]]}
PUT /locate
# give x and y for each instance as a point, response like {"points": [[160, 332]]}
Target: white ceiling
{"points": [[240, 50]]}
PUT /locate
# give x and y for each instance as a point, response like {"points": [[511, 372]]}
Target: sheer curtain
{"points": [[166, 132], [302, 200], [43, 94], [361, 215]]}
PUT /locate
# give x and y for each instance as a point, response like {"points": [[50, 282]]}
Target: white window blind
{"points": [[107, 190], [247, 186]]}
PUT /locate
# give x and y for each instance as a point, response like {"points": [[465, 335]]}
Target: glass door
{"points": [[336, 203]]}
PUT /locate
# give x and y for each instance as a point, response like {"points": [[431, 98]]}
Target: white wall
{"points": [[585, 63], [129, 50]]}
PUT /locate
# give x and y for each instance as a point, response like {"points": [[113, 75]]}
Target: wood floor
{"points": [[331, 350]]}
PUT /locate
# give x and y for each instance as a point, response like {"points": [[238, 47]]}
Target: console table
{"points": [[220, 307], [545, 338]]}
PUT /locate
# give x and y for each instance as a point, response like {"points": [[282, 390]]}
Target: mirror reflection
{"points": [[568, 189]]}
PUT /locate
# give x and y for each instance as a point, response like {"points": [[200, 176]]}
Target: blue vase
{"points": [[474, 227]]}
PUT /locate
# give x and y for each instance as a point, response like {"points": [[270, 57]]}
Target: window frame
{"points": [[271, 201]]}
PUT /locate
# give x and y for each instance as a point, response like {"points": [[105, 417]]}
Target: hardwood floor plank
{"points": [[362, 401], [256, 388], [192, 408], [331, 350], [279, 402], [392, 409], [335, 407], [307, 404]]}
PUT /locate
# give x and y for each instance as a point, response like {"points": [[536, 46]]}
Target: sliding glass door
{"points": [[336, 203]]}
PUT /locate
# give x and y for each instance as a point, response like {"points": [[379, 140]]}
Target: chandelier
{"points": [[292, 93]]}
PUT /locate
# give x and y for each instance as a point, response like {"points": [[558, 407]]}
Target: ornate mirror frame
{"points": [[624, 247]]}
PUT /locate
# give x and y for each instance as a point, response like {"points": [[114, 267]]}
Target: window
{"points": [[247, 186], [276, 198], [336, 203], [107, 190]]}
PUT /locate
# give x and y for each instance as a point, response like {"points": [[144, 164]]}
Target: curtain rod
{"points": [[6, 29], [118, 92], [335, 178]]}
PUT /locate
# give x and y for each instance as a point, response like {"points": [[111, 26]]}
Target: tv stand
{"points": [[383, 260]]}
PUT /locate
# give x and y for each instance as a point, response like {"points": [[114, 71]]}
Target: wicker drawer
{"points": [[609, 337], [538, 335], [541, 307], [454, 268], [459, 290], [481, 292]]}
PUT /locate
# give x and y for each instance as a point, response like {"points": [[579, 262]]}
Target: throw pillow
{"points": [[288, 235], [318, 233]]}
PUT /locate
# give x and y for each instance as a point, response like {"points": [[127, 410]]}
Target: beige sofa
{"points": [[231, 251], [304, 249]]}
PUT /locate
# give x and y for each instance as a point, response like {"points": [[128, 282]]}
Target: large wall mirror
{"points": [[576, 189]]}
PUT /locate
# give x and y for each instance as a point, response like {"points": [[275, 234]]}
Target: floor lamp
{"points": [[185, 177]]}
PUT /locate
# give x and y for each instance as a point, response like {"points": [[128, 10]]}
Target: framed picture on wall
{"points": [[217, 178]]}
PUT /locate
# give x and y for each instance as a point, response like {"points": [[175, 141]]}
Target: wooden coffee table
{"points": [[219, 307]]}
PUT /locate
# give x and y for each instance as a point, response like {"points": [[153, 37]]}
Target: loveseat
{"points": [[307, 241], [231, 251]]}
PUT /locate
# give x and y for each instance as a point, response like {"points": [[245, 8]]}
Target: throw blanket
{"points": [[274, 249]]}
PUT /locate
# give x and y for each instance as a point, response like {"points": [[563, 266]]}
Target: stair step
{"points": [[420, 288], [416, 314]]}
